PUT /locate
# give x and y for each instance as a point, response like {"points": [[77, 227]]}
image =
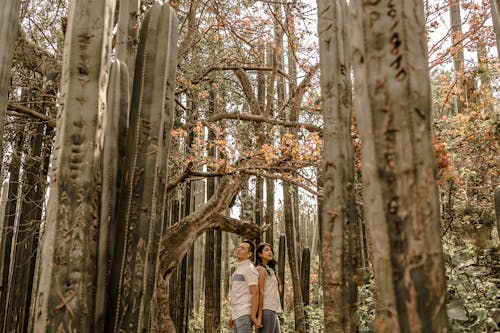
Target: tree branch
{"points": [[256, 118], [179, 237], [35, 58], [51, 122], [282, 178], [245, 229], [191, 30]]}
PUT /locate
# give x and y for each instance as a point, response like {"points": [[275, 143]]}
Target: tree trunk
{"points": [[9, 233], [393, 109], [25, 246], [9, 17], [209, 282], [217, 278], [458, 53], [209, 270], [495, 17], [270, 188], [282, 267], [186, 276], [305, 275], [484, 72], [298, 303], [497, 208], [32, 290]]}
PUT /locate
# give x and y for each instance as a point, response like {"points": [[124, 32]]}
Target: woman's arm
{"points": [[262, 281]]}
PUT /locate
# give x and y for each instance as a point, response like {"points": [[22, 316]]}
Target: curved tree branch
{"points": [[180, 236], [245, 229]]}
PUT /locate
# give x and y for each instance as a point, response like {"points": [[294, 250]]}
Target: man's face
{"points": [[243, 252]]}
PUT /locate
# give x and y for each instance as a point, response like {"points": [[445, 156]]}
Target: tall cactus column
{"points": [[114, 125], [65, 295], [393, 105], [142, 195]]}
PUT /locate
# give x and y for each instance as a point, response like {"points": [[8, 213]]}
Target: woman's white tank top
{"points": [[271, 292]]}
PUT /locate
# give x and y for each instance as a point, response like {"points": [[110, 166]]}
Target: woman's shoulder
{"points": [[261, 269]]}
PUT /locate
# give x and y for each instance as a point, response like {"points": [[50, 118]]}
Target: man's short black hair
{"points": [[251, 244]]}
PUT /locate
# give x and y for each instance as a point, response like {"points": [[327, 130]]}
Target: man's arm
{"points": [[255, 303]]}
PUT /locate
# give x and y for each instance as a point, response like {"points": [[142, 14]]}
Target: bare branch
{"points": [[256, 118], [51, 122], [35, 58], [246, 229]]}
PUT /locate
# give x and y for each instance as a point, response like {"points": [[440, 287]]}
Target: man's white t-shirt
{"points": [[243, 277]]}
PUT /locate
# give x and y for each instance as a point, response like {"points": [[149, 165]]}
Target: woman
{"points": [[269, 289]]}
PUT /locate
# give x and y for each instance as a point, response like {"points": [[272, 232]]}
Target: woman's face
{"points": [[267, 254]]}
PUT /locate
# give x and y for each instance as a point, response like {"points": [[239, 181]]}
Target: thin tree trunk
{"points": [[9, 234], [458, 53], [497, 208], [29, 223], [393, 109], [217, 278], [9, 17], [282, 267], [209, 270], [186, 275], [495, 17], [305, 275], [35, 260], [292, 261], [209, 281], [484, 72], [270, 188]]}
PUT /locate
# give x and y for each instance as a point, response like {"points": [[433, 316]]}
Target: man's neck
{"points": [[242, 261]]}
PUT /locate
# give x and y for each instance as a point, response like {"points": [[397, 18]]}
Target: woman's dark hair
{"points": [[258, 260]]}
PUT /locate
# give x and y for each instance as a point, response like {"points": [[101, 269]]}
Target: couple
{"points": [[255, 291]]}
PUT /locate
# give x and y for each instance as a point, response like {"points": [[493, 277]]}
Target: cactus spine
{"points": [[142, 195], [65, 295]]}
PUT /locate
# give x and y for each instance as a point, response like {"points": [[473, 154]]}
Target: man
{"points": [[244, 290]]}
